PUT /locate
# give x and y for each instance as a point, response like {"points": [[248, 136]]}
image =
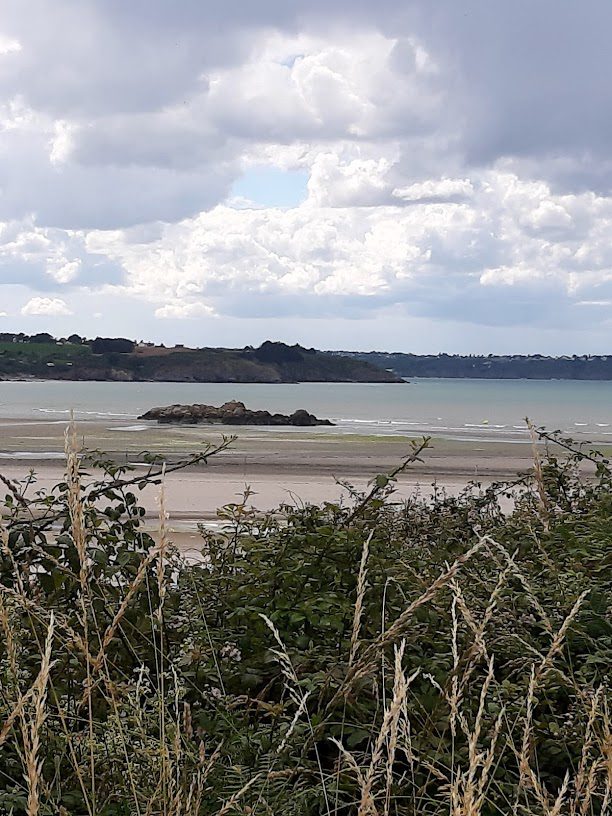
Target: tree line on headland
{"points": [[491, 366], [42, 356], [117, 359]]}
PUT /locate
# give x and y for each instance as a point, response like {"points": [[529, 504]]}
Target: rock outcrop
{"points": [[230, 413]]}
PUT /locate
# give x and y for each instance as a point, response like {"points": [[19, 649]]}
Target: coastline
{"points": [[278, 466], [277, 463]]}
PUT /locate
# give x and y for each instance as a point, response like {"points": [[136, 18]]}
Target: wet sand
{"points": [[278, 465]]}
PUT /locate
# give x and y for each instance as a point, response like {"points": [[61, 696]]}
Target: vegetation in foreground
{"points": [[426, 658]]}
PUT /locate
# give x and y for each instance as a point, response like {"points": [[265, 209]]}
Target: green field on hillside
{"points": [[36, 352]]}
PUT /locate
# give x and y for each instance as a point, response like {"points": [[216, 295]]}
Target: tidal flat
{"points": [[276, 465]]}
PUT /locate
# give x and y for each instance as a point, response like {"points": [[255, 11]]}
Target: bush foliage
{"points": [[436, 656]]}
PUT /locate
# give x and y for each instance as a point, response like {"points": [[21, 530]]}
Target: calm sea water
{"points": [[479, 409]]}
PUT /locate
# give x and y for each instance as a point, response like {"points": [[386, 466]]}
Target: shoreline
{"points": [[278, 466], [277, 463], [407, 379]]}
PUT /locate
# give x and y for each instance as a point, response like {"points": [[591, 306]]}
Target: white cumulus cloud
{"points": [[474, 250], [180, 310], [51, 307], [459, 166]]}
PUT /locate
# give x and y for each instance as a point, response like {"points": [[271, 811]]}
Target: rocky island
{"points": [[230, 413]]}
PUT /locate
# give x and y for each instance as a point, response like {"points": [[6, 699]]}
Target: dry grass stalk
{"points": [[558, 639], [584, 782], [393, 633], [469, 787], [543, 504], [454, 693], [283, 658], [386, 743], [161, 588], [367, 805], [350, 761], [400, 687], [397, 627], [31, 729], [302, 707], [361, 589], [79, 537], [112, 697], [196, 789], [43, 616], [75, 503], [176, 793], [16, 713], [527, 776], [11, 646], [232, 802], [296, 694], [520, 576], [479, 648], [606, 760], [162, 546], [559, 802], [133, 588], [6, 549]]}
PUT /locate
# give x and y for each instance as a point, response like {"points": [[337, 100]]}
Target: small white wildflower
{"points": [[231, 652], [213, 691]]}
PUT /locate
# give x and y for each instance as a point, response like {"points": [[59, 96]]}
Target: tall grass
{"points": [[441, 658]]}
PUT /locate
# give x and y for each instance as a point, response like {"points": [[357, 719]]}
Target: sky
{"points": [[424, 176]]}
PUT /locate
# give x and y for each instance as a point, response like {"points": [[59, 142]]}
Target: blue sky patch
{"points": [[268, 186]]}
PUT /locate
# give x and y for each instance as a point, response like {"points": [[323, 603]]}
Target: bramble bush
{"points": [[434, 656]]}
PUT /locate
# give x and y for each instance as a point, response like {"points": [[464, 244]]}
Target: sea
{"points": [[462, 409]]}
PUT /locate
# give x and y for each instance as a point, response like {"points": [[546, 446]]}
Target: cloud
{"points": [[51, 260], [65, 272], [458, 164], [490, 250], [51, 307], [336, 181], [174, 155], [100, 192], [8, 46], [351, 86], [432, 190], [180, 310]]}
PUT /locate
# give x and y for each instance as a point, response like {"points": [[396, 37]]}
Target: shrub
{"points": [[435, 657]]}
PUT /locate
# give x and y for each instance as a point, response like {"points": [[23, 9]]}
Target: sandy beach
{"points": [[278, 465]]}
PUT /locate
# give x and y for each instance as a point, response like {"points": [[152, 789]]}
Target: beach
{"points": [[277, 466], [477, 435]]}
